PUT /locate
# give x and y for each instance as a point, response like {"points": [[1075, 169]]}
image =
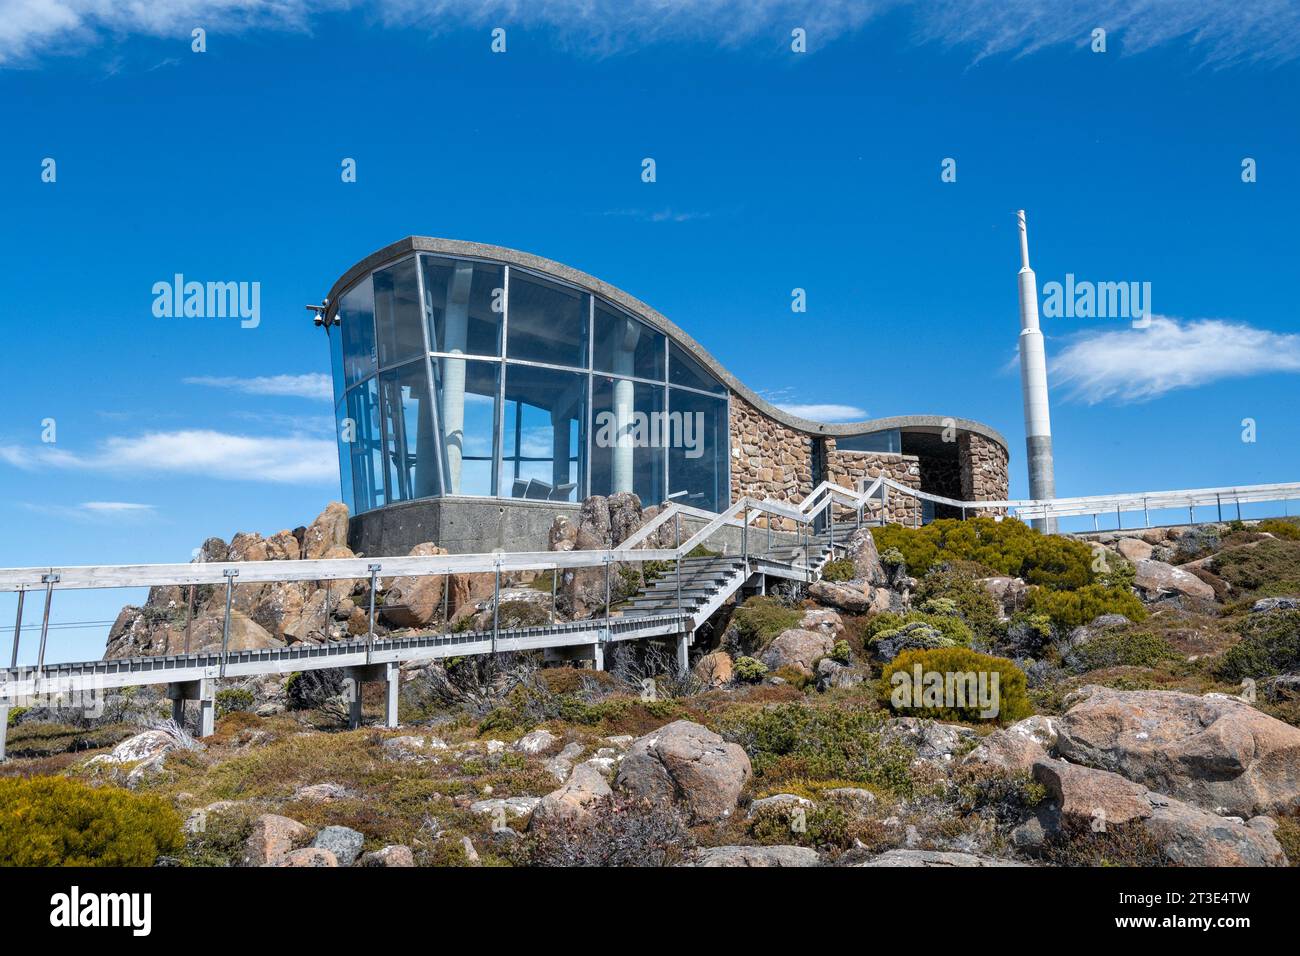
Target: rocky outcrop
{"points": [[271, 839], [861, 550], [1082, 797], [573, 802], [415, 601], [1216, 752], [329, 530], [1009, 592], [1017, 747], [933, 858], [714, 669], [1134, 549], [853, 597], [797, 648], [1155, 579], [758, 856], [394, 855], [685, 762], [343, 843]]}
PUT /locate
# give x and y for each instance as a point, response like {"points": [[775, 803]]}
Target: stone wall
{"points": [[983, 469], [768, 460], [848, 468], [771, 460]]}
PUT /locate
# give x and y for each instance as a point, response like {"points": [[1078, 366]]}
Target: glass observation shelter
{"points": [[460, 376]]}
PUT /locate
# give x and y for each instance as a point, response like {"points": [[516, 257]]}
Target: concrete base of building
{"points": [[461, 525]]}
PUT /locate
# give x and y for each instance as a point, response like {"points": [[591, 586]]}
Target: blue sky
{"points": [[775, 170]]}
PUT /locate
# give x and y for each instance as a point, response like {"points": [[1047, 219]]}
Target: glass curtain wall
{"points": [[466, 377]]}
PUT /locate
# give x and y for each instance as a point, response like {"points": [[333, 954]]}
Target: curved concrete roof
{"points": [[457, 247]]}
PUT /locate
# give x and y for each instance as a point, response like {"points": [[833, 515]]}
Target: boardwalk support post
{"points": [[230, 575], [683, 653], [204, 691], [392, 684]]}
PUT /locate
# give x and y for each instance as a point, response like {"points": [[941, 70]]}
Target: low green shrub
{"points": [[1121, 647], [749, 669], [1270, 644], [1280, 528], [959, 591], [234, 699], [54, 821], [950, 627], [842, 569], [1009, 547], [841, 652], [1268, 569], [958, 702], [760, 619], [797, 741], [1069, 609]]}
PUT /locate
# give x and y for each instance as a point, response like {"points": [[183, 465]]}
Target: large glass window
{"points": [[345, 458], [356, 314], [547, 322], [629, 437], [464, 302], [890, 441], [684, 370], [697, 449], [397, 313], [624, 346], [545, 434], [410, 451], [360, 430], [538, 391], [467, 402]]}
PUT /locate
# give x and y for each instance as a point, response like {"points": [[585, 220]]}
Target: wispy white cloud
{"points": [[312, 385], [96, 510], [825, 412], [1220, 31], [293, 459], [1135, 365], [659, 215]]}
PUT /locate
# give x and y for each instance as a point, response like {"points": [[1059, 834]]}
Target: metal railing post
{"points": [[230, 574], [744, 538], [555, 575], [370, 624], [1238, 509], [607, 591], [49, 580], [1146, 515], [189, 618], [677, 522], [496, 605], [1119, 520], [18, 627], [1218, 503]]}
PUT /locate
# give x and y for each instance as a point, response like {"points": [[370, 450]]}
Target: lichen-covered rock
{"points": [[1216, 752], [1185, 835], [573, 802], [758, 856], [329, 530], [797, 648], [416, 600], [933, 858], [1016, 747], [271, 839], [396, 854], [686, 762], [343, 842], [1157, 579]]}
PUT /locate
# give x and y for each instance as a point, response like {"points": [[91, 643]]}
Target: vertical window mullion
{"points": [[499, 426]]}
